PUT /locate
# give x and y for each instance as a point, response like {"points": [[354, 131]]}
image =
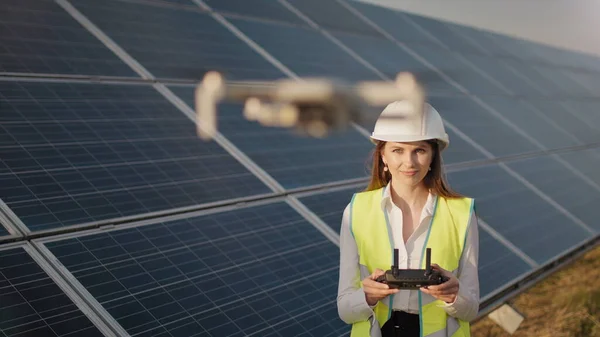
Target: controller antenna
{"points": [[428, 269], [395, 270]]}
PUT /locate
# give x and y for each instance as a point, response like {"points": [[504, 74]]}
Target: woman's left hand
{"points": [[446, 291]]}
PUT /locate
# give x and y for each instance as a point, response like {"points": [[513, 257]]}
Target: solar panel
{"points": [[293, 160], [322, 13], [515, 47], [390, 59], [567, 85], [481, 126], [442, 30], [33, 304], [562, 185], [568, 120], [265, 9], [584, 110], [589, 80], [529, 73], [257, 271], [191, 250], [305, 51], [4, 231], [504, 74], [536, 123], [393, 22], [533, 225], [176, 42], [586, 162], [330, 206], [482, 38], [37, 36], [450, 64], [79, 153], [498, 265]]}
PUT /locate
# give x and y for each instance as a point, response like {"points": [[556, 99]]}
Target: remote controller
{"points": [[412, 278]]}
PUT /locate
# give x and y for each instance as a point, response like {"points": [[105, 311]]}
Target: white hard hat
{"points": [[399, 122]]}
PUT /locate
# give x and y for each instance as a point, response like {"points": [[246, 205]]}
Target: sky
{"points": [[570, 24]]}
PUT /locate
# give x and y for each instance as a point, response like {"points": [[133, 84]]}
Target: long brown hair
{"points": [[435, 179]]}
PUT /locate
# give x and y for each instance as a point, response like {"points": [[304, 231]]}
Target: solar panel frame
{"points": [[11, 227], [75, 298]]}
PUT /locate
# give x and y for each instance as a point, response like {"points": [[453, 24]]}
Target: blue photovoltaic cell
{"points": [[516, 47], [76, 153], [176, 42], [293, 160], [393, 22], [533, 225], [536, 123], [584, 110], [569, 85], [330, 206], [333, 15], [38, 36], [444, 32], [534, 77], [450, 64], [561, 184], [390, 59], [305, 51], [511, 81], [267, 9], [586, 161], [260, 271], [569, 120], [481, 126], [459, 150], [588, 79], [3, 231], [33, 305], [497, 264]]}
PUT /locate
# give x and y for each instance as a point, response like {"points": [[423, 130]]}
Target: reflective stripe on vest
{"points": [[446, 237]]}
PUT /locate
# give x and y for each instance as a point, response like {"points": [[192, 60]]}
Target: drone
{"points": [[312, 106]]}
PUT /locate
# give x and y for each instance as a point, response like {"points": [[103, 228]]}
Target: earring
{"points": [[385, 168], [429, 168]]}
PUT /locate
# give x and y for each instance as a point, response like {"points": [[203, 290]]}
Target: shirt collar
{"points": [[387, 200]]}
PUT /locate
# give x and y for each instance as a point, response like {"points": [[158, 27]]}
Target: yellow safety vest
{"points": [[446, 238]]}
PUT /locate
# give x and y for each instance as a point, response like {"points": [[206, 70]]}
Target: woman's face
{"points": [[409, 162]]}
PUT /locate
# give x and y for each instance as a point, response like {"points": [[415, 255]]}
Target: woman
{"points": [[409, 206]]}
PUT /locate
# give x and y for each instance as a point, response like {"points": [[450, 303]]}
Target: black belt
{"points": [[401, 324]]}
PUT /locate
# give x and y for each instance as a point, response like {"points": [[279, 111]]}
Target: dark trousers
{"points": [[401, 324]]}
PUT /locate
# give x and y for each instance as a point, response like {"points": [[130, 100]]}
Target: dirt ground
{"points": [[566, 304]]}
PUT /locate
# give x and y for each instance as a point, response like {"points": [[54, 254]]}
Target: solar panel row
{"points": [[32, 302], [75, 154]]}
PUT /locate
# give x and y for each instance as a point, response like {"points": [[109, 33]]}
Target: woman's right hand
{"points": [[375, 291]]}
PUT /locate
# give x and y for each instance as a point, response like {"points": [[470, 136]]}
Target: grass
{"points": [[566, 304]]}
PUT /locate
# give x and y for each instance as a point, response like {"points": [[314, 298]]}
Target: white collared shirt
{"points": [[352, 305]]}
